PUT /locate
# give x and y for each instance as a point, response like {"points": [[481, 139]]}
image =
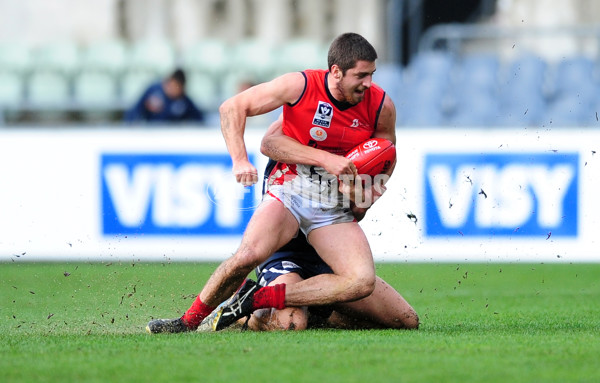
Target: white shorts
{"points": [[309, 212]]}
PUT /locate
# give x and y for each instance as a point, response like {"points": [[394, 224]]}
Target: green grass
{"points": [[480, 323]]}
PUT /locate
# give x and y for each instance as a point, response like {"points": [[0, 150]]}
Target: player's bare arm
{"points": [[256, 100], [280, 147]]}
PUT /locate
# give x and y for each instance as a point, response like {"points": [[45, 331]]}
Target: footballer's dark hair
{"points": [[349, 48]]}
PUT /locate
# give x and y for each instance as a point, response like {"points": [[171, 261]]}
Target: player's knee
{"points": [[405, 321], [362, 287], [412, 321], [247, 258]]}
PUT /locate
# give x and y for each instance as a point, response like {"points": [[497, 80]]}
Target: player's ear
{"points": [[336, 72]]}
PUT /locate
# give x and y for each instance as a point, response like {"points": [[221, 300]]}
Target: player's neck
{"points": [[332, 89], [335, 95]]}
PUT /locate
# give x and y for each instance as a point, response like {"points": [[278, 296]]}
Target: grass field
{"points": [[480, 323]]}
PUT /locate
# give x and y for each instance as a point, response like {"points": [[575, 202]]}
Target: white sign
{"points": [[168, 194]]}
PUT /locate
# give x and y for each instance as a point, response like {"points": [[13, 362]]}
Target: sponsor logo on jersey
{"points": [[172, 194], [521, 194], [318, 133], [323, 115]]}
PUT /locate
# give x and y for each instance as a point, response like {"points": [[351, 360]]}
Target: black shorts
{"points": [[306, 264], [283, 262]]}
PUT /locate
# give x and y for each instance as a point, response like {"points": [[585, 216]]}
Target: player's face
{"points": [[356, 81]]}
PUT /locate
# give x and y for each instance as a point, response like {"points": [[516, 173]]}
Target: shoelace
{"points": [[245, 325]]}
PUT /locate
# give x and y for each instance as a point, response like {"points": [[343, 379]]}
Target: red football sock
{"points": [[196, 313], [270, 296]]}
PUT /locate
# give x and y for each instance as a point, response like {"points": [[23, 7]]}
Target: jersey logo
{"points": [[323, 115], [358, 124], [318, 134]]}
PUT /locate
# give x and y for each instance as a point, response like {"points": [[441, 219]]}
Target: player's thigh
{"points": [[344, 247], [289, 318], [384, 307], [271, 227]]}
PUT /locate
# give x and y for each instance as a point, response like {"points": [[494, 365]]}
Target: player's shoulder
{"points": [[315, 72], [290, 79], [382, 95], [375, 88]]}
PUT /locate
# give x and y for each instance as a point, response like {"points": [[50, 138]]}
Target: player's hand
{"points": [[375, 192], [360, 196], [245, 173], [339, 165], [349, 185]]}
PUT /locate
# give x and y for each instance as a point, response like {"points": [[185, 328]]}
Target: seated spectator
{"points": [[166, 101]]}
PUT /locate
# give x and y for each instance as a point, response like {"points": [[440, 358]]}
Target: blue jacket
{"points": [[170, 110]]}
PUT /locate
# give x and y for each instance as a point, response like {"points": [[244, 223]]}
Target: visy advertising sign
{"points": [[172, 194], [519, 194]]}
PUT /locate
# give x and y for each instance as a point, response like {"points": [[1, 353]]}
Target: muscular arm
{"points": [[280, 147], [259, 99]]}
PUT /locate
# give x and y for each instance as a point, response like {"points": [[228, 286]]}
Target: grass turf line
{"points": [[480, 322]]}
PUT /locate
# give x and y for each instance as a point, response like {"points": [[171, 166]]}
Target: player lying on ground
{"points": [[325, 114], [384, 308], [296, 261]]}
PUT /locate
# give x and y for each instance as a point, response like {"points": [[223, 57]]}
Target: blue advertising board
{"points": [[172, 194], [503, 195]]}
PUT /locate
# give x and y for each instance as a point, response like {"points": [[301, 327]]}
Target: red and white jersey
{"points": [[317, 119]]}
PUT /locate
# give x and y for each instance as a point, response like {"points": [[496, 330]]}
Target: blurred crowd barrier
{"points": [[487, 76], [461, 76], [108, 76]]}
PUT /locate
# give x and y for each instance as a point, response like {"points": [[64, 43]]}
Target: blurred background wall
{"points": [[72, 61]]}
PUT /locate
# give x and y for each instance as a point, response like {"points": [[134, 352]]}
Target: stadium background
{"points": [[497, 124]]}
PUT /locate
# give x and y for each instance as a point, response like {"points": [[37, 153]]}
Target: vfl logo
{"points": [[323, 115], [520, 194]]}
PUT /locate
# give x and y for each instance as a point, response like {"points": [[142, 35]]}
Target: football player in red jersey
{"points": [[325, 114], [297, 261]]}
